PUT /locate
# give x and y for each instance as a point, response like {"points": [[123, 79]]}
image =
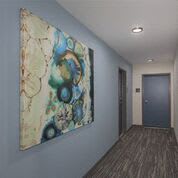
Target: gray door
{"points": [[156, 100], [122, 101]]}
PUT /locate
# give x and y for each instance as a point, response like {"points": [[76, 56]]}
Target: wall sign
{"points": [[137, 90]]}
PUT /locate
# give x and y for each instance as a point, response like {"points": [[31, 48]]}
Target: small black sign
{"points": [[137, 90]]}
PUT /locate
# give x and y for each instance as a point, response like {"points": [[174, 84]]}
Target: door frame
{"points": [[156, 74], [124, 124]]}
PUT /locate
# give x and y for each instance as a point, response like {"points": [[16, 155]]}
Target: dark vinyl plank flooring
{"points": [[140, 153]]}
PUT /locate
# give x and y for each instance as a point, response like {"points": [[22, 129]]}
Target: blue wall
{"points": [[73, 154]]}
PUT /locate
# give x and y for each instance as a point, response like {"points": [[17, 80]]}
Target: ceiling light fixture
{"points": [[150, 60], [137, 29]]}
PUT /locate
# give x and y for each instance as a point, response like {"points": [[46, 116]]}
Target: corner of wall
{"points": [[176, 94]]}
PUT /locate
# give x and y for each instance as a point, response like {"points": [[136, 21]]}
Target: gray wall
{"points": [[176, 94], [73, 154]]}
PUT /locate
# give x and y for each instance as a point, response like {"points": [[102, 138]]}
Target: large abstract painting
{"points": [[56, 88]]}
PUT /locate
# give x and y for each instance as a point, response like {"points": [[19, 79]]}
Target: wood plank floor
{"points": [[140, 153]]}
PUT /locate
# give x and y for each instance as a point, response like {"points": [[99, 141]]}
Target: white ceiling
{"points": [[112, 21]]}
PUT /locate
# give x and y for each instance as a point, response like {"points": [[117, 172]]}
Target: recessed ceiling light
{"points": [[137, 29], [150, 60]]}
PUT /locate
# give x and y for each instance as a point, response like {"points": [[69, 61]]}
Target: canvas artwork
{"points": [[56, 88]]}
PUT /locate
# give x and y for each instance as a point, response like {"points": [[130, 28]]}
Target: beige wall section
{"points": [[176, 94], [150, 68]]}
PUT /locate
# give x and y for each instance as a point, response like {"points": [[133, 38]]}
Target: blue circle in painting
{"points": [[70, 43], [60, 43], [49, 132], [65, 94], [78, 111]]}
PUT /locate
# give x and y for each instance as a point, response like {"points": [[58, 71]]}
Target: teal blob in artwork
{"points": [[60, 42], [65, 94], [70, 43], [55, 79], [60, 45], [77, 91], [71, 125], [79, 49], [78, 111], [83, 67]]}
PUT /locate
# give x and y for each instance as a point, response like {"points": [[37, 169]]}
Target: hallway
{"points": [[89, 88], [140, 153]]}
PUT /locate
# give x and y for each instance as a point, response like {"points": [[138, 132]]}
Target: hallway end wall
{"points": [[138, 71]]}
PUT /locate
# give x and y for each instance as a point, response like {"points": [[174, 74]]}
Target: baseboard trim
{"points": [[175, 135], [147, 127], [98, 162]]}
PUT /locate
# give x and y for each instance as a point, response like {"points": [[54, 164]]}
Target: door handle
{"points": [[120, 101], [146, 101]]}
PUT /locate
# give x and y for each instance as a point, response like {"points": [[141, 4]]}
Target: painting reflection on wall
{"points": [[56, 88]]}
